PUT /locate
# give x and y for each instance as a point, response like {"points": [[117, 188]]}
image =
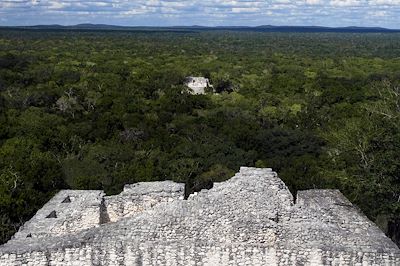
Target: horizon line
{"points": [[202, 26]]}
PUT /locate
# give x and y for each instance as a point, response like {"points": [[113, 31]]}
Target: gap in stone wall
{"points": [[191, 187], [104, 217]]}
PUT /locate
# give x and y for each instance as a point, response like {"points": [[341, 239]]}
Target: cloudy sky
{"points": [[384, 13]]}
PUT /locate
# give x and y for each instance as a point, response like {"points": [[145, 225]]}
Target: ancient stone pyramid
{"points": [[250, 219]]}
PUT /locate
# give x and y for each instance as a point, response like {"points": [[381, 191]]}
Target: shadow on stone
{"points": [[67, 200], [53, 214]]}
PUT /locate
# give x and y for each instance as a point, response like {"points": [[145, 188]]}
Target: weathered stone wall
{"points": [[250, 219], [141, 196], [174, 253], [69, 211]]}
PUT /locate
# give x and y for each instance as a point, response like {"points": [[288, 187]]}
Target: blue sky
{"points": [[383, 13]]}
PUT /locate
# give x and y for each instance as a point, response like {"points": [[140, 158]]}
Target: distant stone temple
{"points": [[251, 219], [198, 85]]}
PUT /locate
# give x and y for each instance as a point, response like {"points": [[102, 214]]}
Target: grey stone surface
{"points": [[250, 219], [138, 197], [74, 211]]}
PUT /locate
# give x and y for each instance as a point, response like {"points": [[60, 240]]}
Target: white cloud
{"points": [[346, 3], [314, 2], [205, 12], [386, 2]]}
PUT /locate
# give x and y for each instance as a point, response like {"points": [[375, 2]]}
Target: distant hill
{"points": [[263, 28]]}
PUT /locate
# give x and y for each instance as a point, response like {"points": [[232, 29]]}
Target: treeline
{"points": [[98, 110]]}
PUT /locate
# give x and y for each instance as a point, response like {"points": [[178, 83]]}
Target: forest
{"points": [[100, 109]]}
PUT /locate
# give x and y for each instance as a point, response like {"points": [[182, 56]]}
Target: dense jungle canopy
{"points": [[97, 110]]}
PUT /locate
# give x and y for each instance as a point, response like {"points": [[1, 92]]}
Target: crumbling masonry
{"points": [[250, 219]]}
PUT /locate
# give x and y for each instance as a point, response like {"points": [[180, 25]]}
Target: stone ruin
{"points": [[198, 85], [251, 219]]}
